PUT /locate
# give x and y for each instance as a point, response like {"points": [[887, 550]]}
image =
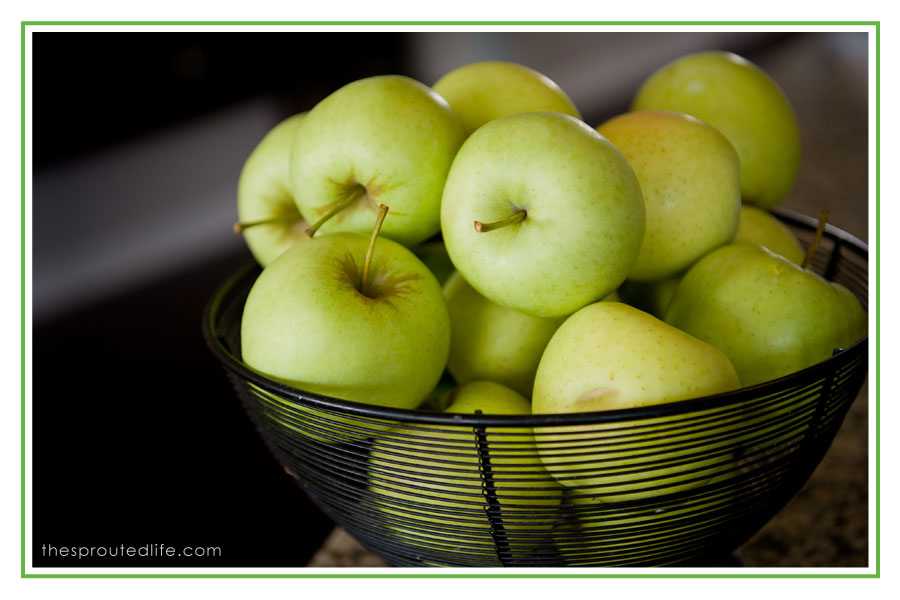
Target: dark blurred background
{"points": [[138, 141]]}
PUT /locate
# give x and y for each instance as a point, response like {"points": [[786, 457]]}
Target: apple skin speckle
{"points": [[741, 101], [307, 303], [611, 347], [770, 316], [690, 177], [572, 180], [648, 363]]}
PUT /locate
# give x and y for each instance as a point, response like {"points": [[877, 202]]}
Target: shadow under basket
{"points": [[676, 484]]}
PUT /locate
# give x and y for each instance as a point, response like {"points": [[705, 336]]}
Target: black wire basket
{"points": [[682, 483]]}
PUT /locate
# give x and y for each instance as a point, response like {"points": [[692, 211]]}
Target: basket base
{"points": [[341, 549]]}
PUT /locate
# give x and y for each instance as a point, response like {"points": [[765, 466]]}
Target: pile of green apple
{"points": [[479, 228]]}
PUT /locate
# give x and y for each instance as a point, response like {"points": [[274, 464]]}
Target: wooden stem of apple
{"points": [[239, 227], [382, 211], [350, 199], [823, 219], [516, 217]]}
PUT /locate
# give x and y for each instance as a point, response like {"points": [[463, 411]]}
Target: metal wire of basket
{"points": [[674, 484]]}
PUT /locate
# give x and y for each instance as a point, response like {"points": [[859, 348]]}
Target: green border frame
{"points": [[654, 575]]}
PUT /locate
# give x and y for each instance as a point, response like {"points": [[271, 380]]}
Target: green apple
{"points": [[314, 321], [610, 356], [769, 315], [381, 140], [267, 214], [756, 227], [491, 342], [761, 227], [483, 91], [607, 534], [690, 177], [745, 104], [650, 296], [542, 214], [494, 343], [432, 482]]}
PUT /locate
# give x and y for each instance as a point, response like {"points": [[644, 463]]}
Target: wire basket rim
{"points": [[714, 401]]}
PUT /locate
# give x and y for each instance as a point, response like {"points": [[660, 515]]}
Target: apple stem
{"points": [[351, 197], [823, 219], [241, 226], [516, 217], [382, 211]]}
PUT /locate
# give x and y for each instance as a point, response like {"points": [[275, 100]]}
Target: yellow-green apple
{"points": [[542, 214], [690, 177], [739, 99], [601, 533], [494, 343], [314, 321], [483, 91], [381, 140], [610, 356], [432, 479], [267, 214], [770, 316], [762, 227], [757, 226]]}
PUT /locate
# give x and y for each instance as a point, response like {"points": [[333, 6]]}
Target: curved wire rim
{"points": [[805, 221], [348, 407]]}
